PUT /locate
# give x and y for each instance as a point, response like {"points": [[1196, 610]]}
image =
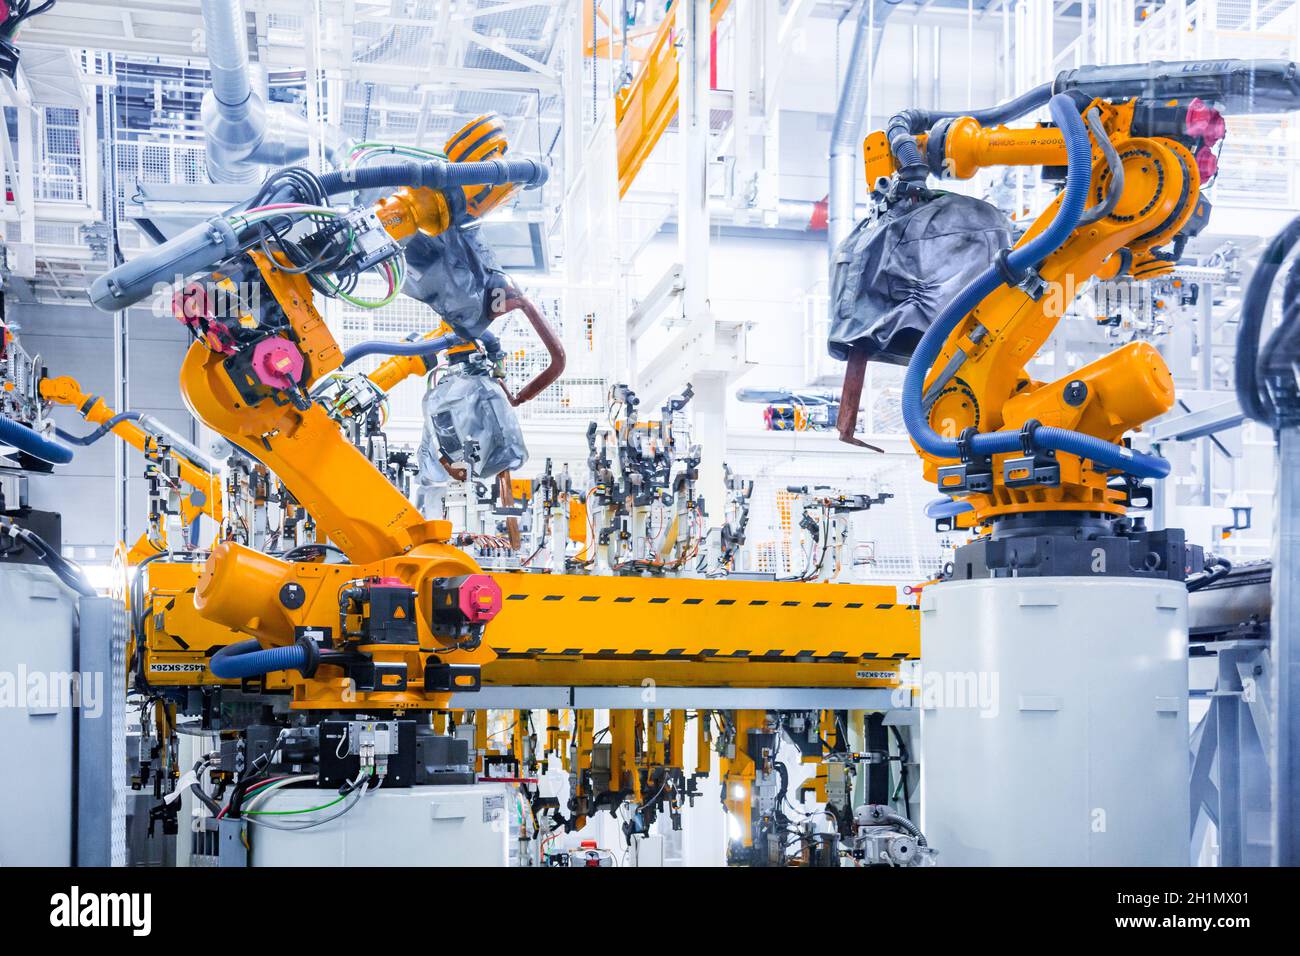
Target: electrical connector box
{"points": [[370, 240], [349, 748]]}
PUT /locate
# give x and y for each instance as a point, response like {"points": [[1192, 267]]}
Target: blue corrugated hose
{"points": [[250, 659], [1107, 454], [33, 443]]}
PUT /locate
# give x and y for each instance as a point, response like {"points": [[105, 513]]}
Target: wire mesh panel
{"points": [[896, 543], [61, 174]]}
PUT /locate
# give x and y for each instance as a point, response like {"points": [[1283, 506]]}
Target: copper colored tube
{"points": [[516, 300], [846, 419]]}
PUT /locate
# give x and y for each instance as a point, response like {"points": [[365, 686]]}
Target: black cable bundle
{"points": [[297, 185], [1257, 401], [67, 571]]}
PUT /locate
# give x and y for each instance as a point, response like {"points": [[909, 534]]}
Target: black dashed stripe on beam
{"points": [[789, 603], [726, 602], [692, 600], [624, 600], [659, 600], [517, 597], [822, 604], [553, 597], [589, 597]]}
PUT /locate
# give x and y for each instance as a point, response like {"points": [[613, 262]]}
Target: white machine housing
{"points": [[469, 825], [1054, 722]]}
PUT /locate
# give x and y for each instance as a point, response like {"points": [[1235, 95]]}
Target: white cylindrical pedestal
{"points": [[1054, 723]]}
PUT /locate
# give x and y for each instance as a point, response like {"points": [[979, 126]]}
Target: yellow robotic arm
{"points": [[205, 496], [979, 379], [401, 626], [1030, 461]]}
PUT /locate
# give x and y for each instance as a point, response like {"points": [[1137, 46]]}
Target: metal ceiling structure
{"points": [[408, 71]]}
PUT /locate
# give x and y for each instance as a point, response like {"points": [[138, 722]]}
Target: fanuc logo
{"points": [[77, 909]]}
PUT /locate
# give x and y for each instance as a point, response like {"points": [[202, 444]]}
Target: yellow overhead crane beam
{"points": [[584, 630], [644, 108]]}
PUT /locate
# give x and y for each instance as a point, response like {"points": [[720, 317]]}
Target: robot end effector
{"points": [[1170, 99], [204, 246]]}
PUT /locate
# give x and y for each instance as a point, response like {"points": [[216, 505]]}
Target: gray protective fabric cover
{"points": [[895, 272], [468, 418], [456, 275]]}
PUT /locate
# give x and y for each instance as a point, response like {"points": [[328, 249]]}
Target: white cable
{"points": [[362, 791]]}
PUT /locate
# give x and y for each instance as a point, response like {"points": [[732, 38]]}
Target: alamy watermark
{"points": [[50, 691], [950, 690]]}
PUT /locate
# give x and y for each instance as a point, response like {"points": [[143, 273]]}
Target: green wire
{"points": [[361, 149], [395, 278], [289, 813], [395, 273]]}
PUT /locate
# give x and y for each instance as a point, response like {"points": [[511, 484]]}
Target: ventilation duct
{"points": [[243, 132], [846, 131]]}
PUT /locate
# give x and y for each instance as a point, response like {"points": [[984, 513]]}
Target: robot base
{"points": [[1054, 725]]}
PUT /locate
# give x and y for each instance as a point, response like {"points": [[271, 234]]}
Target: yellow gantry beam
{"points": [[644, 108], [693, 632]]}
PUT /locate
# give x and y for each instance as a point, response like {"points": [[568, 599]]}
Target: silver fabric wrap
{"points": [[456, 275], [468, 418], [894, 273]]}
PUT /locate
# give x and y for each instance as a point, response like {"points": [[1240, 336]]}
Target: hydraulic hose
{"points": [[1012, 109], [250, 659], [1216, 569], [67, 571], [1018, 261], [101, 431], [419, 347], [898, 820], [1254, 400], [33, 443], [1116, 188], [902, 143], [904, 126]]}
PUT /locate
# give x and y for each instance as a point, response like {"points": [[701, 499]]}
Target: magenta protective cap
{"points": [[480, 598], [277, 363]]}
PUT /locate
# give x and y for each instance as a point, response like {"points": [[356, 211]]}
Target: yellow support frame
{"points": [[676, 619], [644, 108]]}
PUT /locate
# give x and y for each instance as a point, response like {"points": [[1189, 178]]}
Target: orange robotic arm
{"points": [[1144, 193], [401, 626], [206, 496]]}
